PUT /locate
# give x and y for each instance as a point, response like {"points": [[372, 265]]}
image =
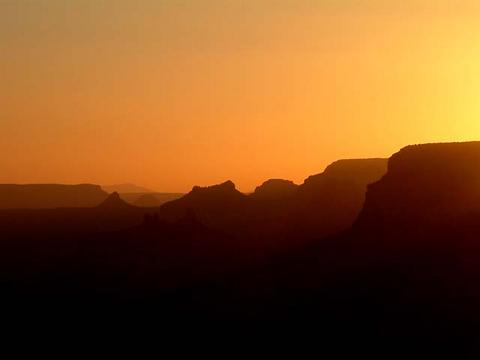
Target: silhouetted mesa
{"points": [[44, 196], [425, 185]]}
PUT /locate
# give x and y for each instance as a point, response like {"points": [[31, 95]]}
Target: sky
{"points": [[170, 94]]}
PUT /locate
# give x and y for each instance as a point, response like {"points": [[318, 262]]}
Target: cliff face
{"points": [[331, 201], [44, 196], [425, 184]]}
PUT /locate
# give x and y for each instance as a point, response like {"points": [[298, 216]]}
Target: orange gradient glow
{"points": [[168, 94]]}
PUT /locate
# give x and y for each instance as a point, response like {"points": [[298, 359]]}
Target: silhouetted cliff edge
{"points": [[330, 202], [425, 185]]}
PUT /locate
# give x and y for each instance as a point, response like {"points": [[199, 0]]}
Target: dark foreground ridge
{"points": [[389, 272]]}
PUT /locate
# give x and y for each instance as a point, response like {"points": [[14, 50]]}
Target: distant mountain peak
{"points": [[114, 201]]}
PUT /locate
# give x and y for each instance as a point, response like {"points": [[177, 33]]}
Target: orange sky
{"points": [[168, 94]]}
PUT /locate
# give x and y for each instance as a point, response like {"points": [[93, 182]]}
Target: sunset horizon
{"points": [[306, 171], [173, 94]]}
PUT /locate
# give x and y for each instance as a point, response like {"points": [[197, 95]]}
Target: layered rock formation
{"points": [[278, 209]]}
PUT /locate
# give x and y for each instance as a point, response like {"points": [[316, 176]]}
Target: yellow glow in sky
{"points": [[169, 94]]}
